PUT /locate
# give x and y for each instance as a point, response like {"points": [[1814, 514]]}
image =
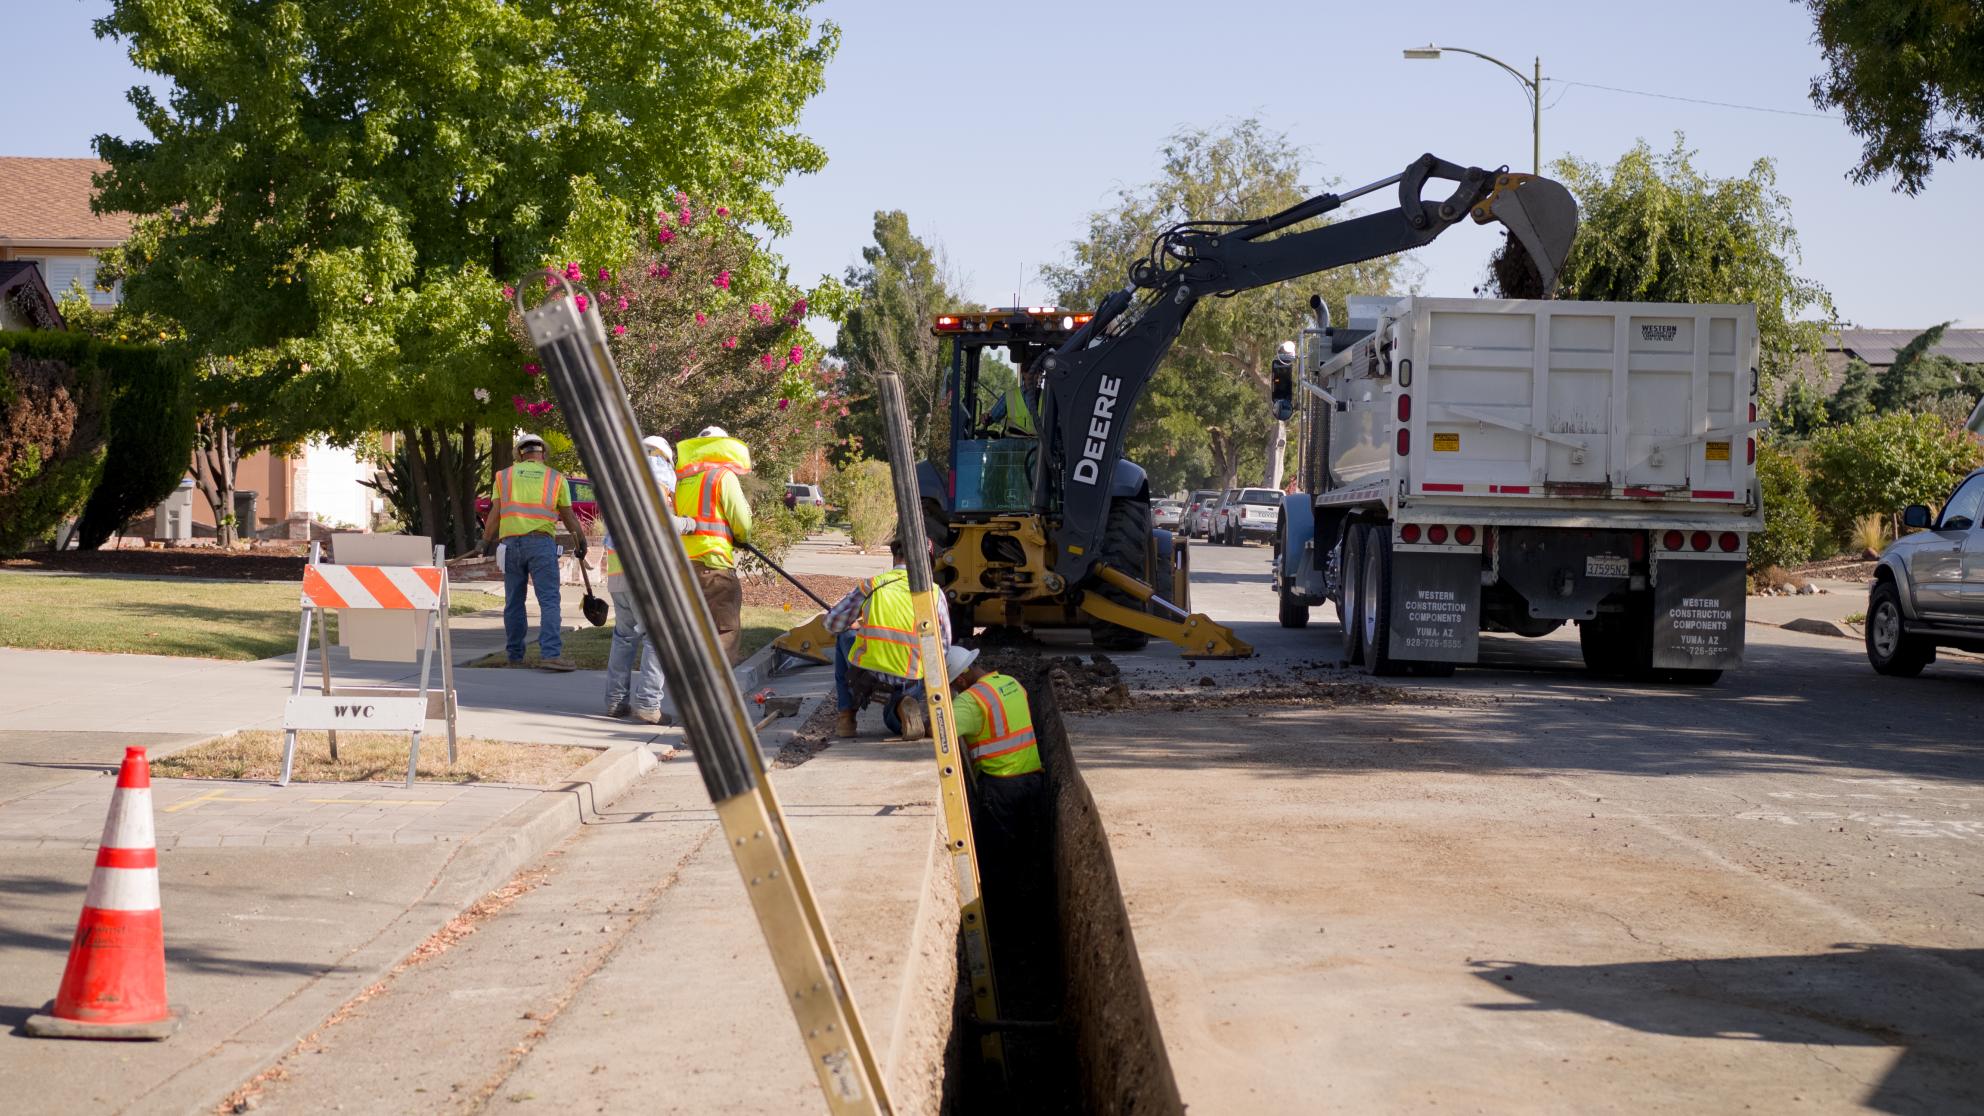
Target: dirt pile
{"points": [[1098, 685]]}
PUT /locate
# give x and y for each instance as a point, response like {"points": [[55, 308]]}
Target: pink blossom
{"points": [[730, 342], [664, 235], [665, 273], [760, 313], [769, 361], [722, 281], [605, 276], [550, 278], [784, 403], [574, 272], [520, 403], [692, 356], [799, 308], [797, 354], [532, 369], [722, 211], [654, 271], [581, 302], [681, 198], [619, 331], [509, 291], [687, 218], [843, 411], [701, 317], [621, 305]]}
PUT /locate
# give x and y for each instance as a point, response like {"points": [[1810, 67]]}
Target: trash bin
{"points": [[245, 522]]}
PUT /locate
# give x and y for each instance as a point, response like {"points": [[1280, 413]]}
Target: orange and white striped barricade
{"points": [[391, 708]]}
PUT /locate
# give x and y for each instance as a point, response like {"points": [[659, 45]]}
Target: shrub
{"points": [[51, 439], [150, 437], [866, 495], [774, 527], [1882, 463], [812, 517], [1791, 530]]}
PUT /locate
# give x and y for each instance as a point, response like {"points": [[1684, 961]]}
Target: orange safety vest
{"points": [[528, 493], [1006, 744]]}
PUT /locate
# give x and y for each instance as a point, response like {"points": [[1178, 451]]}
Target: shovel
{"points": [[593, 607]]}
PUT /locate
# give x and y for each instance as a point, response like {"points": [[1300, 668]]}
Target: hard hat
{"points": [[957, 660], [714, 432], [529, 441], [659, 444]]}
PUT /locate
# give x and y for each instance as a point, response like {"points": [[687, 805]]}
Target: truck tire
{"points": [[1350, 570], [1126, 545], [1294, 611], [1618, 644], [1375, 588], [1890, 648]]}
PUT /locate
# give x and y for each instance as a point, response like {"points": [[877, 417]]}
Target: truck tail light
{"points": [[1436, 534], [1639, 547], [1671, 540], [1405, 408], [1699, 540], [1404, 442], [1409, 533], [1753, 412], [1752, 453], [1464, 536], [1729, 542]]}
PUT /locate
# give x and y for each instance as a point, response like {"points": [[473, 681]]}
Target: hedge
{"points": [[150, 437], [52, 396]]}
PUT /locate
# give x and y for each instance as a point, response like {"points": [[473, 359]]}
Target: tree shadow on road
{"points": [[1924, 1001]]}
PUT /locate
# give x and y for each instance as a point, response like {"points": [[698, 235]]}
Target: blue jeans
{"points": [[631, 646], [532, 558], [844, 684]]}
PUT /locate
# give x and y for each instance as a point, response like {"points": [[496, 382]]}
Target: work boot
{"points": [[844, 727], [915, 718], [561, 664], [651, 716], [618, 709]]}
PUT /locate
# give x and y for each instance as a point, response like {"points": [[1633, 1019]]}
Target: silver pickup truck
{"points": [[1929, 588]]}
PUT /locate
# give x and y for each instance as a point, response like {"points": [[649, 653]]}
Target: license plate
{"points": [[1606, 565]]}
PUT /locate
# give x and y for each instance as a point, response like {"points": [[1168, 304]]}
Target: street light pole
{"points": [[1532, 86]]}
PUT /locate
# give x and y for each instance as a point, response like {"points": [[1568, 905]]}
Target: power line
{"points": [[1691, 100]]}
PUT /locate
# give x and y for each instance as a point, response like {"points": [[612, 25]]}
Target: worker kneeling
{"points": [[875, 629]]}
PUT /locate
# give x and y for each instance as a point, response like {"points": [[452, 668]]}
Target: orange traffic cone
{"points": [[114, 987]]}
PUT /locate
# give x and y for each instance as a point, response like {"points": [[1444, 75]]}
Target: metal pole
{"points": [[716, 721], [296, 683], [1536, 119]]}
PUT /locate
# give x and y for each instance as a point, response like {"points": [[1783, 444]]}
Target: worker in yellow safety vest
{"points": [[709, 492], [875, 631], [633, 666], [530, 500]]}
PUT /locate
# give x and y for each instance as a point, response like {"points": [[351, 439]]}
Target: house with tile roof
{"points": [[45, 219]]}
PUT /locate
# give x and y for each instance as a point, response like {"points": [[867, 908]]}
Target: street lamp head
{"points": [[1428, 52]]}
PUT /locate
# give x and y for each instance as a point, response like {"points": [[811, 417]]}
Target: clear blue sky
{"points": [[999, 126]]}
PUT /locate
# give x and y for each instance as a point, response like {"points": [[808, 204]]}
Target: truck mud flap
{"points": [[1435, 606], [1698, 614]]}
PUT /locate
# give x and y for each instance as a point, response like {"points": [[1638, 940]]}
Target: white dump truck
{"points": [[1471, 465]]}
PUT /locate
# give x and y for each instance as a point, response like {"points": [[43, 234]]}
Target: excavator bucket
{"points": [[810, 644], [1542, 216]]}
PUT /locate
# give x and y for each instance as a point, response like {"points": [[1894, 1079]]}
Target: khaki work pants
{"points": [[724, 594]]}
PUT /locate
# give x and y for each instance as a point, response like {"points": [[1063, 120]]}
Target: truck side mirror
{"points": [[1281, 387], [1916, 516]]}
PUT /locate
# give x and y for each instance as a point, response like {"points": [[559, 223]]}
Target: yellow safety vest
{"points": [[886, 641], [706, 465], [531, 493], [1005, 745]]}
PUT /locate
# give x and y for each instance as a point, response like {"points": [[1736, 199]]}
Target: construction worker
{"points": [[631, 647], [875, 630], [709, 493], [522, 527]]}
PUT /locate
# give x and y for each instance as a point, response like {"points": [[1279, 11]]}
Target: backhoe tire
{"points": [[1126, 546]]}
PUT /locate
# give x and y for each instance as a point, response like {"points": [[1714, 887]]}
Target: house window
{"points": [[63, 272]]}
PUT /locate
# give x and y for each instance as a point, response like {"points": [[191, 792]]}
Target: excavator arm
{"points": [[1093, 381]]}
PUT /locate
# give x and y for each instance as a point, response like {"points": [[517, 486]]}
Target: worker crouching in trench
{"points": [[876, 648]]}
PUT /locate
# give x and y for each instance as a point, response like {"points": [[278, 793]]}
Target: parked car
{"points": [[584, 503], [1215, 515], [1248, 513], [1929, 588], [1166, 513], [796, 494], [1198, 513]]}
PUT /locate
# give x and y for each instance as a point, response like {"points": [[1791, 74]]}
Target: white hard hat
{"points": [[660, 445], [957, 660], [528, 441], [714, 432]]}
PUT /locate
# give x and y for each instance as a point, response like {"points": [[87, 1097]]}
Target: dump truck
{"points": [[1482, 465]]}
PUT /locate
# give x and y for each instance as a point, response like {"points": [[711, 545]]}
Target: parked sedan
{"points": [[1166, 513], [1929, 588], [1197, 520]]}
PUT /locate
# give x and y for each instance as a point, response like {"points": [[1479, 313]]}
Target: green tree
{"points": [[1880, 464], [1652, 228], [902, 289], [1909, 76], [1205, 414], [335, 193], [150, 436]]}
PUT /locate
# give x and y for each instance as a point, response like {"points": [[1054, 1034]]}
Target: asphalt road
{"points": [[1522, 888]]}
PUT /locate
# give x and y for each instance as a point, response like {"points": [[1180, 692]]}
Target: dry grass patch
{"points": [[375, 757]]}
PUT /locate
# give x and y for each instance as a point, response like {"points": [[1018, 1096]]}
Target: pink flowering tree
{"points": [[708, 331]]}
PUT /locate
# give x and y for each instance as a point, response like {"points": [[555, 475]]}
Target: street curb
{"points": [[485, 862], [754, 671]]}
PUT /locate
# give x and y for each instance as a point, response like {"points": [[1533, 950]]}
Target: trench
{"points": [[1078, 1029]]}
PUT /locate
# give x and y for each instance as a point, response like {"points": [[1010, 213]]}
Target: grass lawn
{"points": [[139, 616], [587, 647], [375, 757]]}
